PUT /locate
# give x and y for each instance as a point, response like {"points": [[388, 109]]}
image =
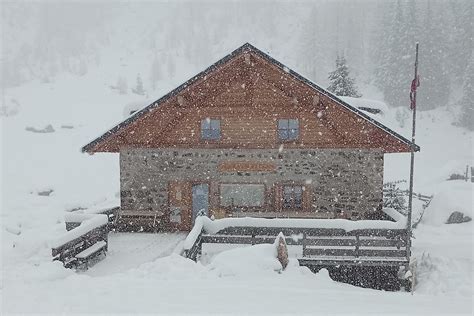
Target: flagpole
{"points": [[415, 84]]}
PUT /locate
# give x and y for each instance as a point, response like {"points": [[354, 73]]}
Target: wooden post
{"points": [[199, 253], [106, 237], [357, 245], [282, 251], [412, 158], [304, 243]]}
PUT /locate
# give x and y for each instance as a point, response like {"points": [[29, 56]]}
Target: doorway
{"points": [[200, 200]]}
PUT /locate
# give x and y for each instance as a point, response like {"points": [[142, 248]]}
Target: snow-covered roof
{"points": [[245, 48]]}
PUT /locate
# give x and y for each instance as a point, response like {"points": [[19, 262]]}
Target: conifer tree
{"points": [[139, 87], [460, 25], [341, 83], [155, 72], [434, 82], [170, 67], [121, 86], [313, 47], [395, 54], [467, 101]]}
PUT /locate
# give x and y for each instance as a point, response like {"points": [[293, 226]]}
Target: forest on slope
{"points": [[166, 43]]}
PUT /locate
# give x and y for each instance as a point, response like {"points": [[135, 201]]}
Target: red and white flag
{"points": [[414, 84]]}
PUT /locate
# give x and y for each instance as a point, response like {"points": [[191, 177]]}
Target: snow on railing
{"points": [[195, 232], [107, 210], [204, 224], [74, 219]]}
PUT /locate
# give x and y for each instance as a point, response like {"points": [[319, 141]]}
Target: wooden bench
{"points": [[74, 251], [139, 220]]}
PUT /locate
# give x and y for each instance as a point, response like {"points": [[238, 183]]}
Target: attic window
{"points": [[288, 129], [210, 129]]}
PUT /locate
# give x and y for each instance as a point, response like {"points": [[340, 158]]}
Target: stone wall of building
{"points": [[345, 180]]}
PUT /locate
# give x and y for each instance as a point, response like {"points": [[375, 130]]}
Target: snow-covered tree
{"points": [[121, 85], [311, 48], [341, 82], [467, 101], [435, 84], [170, 67], [395, 54], [139, 87], [155, 73], [460, 24]]}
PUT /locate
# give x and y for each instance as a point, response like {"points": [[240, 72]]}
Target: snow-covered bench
{"points": [[80, 245]]}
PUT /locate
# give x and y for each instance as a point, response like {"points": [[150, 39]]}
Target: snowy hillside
{"points": [[36, 163], [68, 72]]}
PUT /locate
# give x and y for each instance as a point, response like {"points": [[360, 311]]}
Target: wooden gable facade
{"points": [[334, 166], [249, 91]]}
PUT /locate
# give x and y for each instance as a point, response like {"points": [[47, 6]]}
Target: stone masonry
{"points": [[340, 180]]}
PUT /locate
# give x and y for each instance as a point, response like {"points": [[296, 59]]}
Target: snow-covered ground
{"points": [[141, 272], [173, 285], [129, 251]]}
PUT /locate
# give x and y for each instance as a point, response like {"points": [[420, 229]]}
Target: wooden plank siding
{"points": [[244, 128], [249, 94]]}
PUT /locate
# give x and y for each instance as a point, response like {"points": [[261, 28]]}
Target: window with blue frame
{"points": [[288, 129], [210, 129]]}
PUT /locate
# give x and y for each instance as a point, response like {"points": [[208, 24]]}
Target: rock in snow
{"points": [[48, 129], [458, 217], [45, 192]]}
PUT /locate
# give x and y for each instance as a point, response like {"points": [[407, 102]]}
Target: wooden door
{"points": [[179, 200]]}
